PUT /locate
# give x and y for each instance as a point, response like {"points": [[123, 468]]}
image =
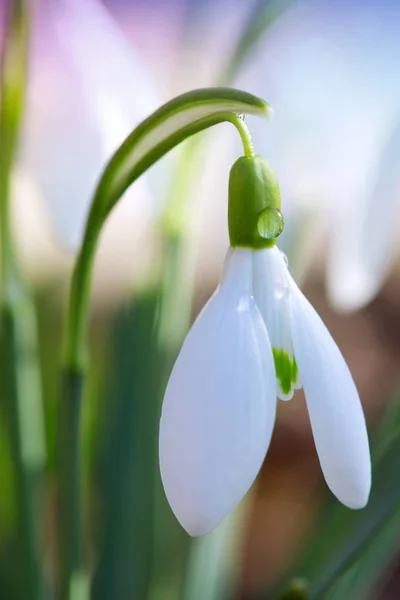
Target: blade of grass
{"points": [[23, 408], [21, 386], [359, 581], [261, 17], [128, 455], [342, 535]]}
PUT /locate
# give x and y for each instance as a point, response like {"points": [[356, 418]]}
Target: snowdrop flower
{"points": [[257, 338]]}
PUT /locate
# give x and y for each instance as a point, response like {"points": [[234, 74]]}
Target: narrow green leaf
{"points": [[13, 77], [342, 535], [127, 461], [261, 17], [378, 553], [214, 559], [374, 561], [12, 94], [20, 381]]}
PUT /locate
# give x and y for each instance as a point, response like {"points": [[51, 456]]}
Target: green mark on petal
{"points": [[286, 370], [295, 371]]}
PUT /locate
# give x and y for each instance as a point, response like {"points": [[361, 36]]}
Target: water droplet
{"points": [[285, 258], [281, 291], [270, 223]]}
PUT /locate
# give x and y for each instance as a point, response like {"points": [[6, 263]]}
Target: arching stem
{"points": [[121, 172]]}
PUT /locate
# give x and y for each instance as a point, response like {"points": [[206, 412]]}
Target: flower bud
{"points": [[254, 216]]}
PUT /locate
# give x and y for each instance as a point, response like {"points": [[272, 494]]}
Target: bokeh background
{"points": [[96, 69]]}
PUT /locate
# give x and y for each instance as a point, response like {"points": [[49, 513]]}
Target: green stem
{"points": [[26, 432], [73, 581], [18, 326], [78, 306], [242, 128], [109, 190]]}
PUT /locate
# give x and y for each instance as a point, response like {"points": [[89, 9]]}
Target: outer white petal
{"points": [[219, 405], [336, 414]]}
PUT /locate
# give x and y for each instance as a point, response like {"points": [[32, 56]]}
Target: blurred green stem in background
{"points": [[170, 125], [348, 548], [20, 370], [262, 16], [128, 453], [72, 574], [212, 571], [13, 77]]}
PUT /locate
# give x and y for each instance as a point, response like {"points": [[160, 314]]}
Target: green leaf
{"points": [[13, 77], [261, 17], [127, 460], [12, 94], [213, 562], [374, 561], [342, 535], [380, 551], [20, 380]]}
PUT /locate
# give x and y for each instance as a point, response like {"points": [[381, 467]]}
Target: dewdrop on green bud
{"points": [[254, 210], [257, 339]]}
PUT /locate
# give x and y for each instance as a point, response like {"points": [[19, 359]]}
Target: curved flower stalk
{"points": [[258, 338], [171, 124]]}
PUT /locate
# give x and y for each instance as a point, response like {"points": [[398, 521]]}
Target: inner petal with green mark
{"points": [[272, 295], [287, 373]]}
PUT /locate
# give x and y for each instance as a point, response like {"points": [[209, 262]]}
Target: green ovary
{"points": [[286, 370]]}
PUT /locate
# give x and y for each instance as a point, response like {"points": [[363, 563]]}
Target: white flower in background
{"points": [[87, 90], [257, 338], [335, 142], [365, 240]]}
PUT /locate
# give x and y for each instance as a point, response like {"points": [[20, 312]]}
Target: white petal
{"points": [[336, 414], [219, 406], [271, 292]]}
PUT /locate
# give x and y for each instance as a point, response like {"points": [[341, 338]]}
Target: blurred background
{"points": [[96, 69]]}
